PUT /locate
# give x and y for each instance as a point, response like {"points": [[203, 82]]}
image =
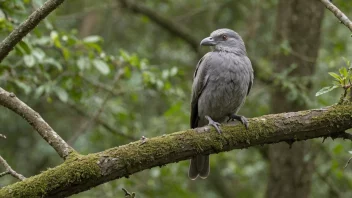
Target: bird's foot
{"points": [[216, 125], [240, 118]]}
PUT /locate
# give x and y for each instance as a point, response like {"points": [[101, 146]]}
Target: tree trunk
{"points": [[88, 24], [298, 24]]}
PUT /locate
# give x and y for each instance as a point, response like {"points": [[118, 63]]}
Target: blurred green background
{"points": [[104, 73]]}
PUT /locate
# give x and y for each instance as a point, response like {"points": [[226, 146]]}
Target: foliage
{"points": [[342, 80], [69, 63]]}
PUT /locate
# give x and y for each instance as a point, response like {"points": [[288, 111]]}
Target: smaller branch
{"points": [[10, 101], [2, 136], [343, 135], [338, 13], [28, 25], [169, 25], [9, 170], [103, 123], [332, 186], [102, 86], [128, 194], [348, 162], [4, 173], [11, 20]]}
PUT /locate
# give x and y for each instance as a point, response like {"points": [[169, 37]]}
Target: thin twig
{"points": [[103, 123], [88, 124], [4, 173], [10, 101], [28, 25], [348, 162], [344, 136], [333, 188], [102, 86], [128, 194], [168, 24], [338, 13], [9, 170]]}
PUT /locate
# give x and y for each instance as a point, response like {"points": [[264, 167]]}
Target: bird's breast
{"points": [[225, 91]]}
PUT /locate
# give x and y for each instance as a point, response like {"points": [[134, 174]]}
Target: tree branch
{"points": [[110, 89], [79, 173], [9, 170], [10, 101], [28, 25], [174, 28], [338, 13]]}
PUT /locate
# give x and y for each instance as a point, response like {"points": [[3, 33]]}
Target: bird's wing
{"points": [[251, 76], [200, 80]]}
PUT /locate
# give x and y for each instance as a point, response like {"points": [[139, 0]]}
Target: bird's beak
{"points": [[209, 41]]}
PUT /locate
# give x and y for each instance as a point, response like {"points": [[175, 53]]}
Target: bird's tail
{"points": [[199, 166]]}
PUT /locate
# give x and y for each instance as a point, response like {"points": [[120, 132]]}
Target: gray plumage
{"points": [[222, 80]]}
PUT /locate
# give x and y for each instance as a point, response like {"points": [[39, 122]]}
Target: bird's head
{"points": [[225, 40]]}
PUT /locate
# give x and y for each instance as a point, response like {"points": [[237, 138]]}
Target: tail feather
{"points": [[199, 166], [193, 171], [205, 170]]}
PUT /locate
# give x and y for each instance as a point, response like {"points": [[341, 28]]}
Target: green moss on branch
{"points": [[79, 173]]}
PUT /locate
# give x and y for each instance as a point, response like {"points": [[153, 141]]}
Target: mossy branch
{"points": [[79, 173]]}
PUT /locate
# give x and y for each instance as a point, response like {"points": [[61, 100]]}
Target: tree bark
{"points": [[79, 173], [299, 24], [27, 26], [88, 24]]}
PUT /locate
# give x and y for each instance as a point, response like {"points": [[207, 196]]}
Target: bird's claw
{"points": [[216, 125], [240, 118]]}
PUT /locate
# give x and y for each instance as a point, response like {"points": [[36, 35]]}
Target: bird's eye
{"points": [[224, 37]]}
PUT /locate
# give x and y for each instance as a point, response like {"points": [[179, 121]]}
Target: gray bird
{"points": [[222, 80]]}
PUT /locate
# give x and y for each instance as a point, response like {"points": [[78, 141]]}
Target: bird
{"points": [[221, 82]]}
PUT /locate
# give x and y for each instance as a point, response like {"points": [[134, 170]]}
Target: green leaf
{"points": [[53, 62], [66, 53], [55, 38], [92, 39], [173, 71], [82, 63], [25, 47], [127, 72], [335, 75], [326, 90], [348, 62], [343, 71], [29, 60], [23, 86], [285, 47], [62, 94], [39, 91], [39, 54], [94, 46], [101, 66]]}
